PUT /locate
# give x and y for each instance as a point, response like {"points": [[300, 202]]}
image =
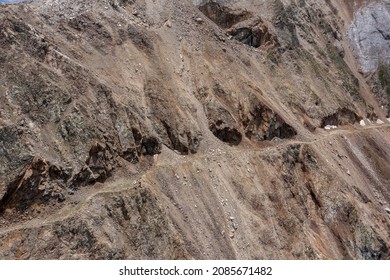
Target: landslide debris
{"points": [[188, 129]]}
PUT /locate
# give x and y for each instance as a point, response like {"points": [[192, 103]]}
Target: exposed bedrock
{"points": [[251, 118], [240, 24], [343, 116], [369, 39], [369, 35]]}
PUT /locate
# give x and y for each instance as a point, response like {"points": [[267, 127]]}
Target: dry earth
{"points": [[140, 129]]}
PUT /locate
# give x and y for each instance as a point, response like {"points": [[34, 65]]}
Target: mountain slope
{"points": [[178, 129]]}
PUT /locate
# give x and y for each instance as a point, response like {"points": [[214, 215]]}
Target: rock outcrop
{"points": [[369, 39], [369, 35]]}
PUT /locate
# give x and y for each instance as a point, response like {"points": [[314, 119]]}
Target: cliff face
{"points": [[369, 38], [193, 129]]}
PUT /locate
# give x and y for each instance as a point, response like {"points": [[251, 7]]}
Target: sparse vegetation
{"points": [[384, 77], [350, 82]]}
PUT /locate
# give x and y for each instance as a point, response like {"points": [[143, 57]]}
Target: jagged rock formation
{"points": [[190, 129], [369, 38], [369, 35], [240, 24]]}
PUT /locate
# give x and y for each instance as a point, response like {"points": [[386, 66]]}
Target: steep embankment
{"points": [[165, 129], [369, 38]]}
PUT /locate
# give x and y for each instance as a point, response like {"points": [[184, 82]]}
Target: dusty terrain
{"points": [[140, 129]]}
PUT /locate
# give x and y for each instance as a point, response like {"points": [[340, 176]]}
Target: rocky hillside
{"points": [[140, 129]]}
